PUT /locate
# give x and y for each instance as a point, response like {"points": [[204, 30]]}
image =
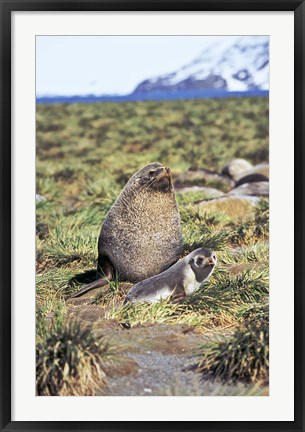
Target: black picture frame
{"points": [[6, 8]]}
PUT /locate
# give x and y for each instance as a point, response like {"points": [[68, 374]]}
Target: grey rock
{"points": [[252, 189], [208, 192], [202, 177], [262, 168], [236, 168], [235, 206]]}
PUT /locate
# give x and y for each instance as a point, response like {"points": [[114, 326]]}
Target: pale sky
{"points": [[80, 65]]}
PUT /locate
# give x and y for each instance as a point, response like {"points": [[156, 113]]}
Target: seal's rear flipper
{"points": [[96, 284], [105, 272]]}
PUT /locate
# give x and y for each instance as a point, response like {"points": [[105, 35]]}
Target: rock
{"points": [[235, 206], [206, 191], [254, 189], [202, 177], [262, 168], [40, 198], [236, 168], [250, 178]]}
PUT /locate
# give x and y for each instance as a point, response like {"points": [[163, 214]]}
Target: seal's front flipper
{"points": [[104, 270]]}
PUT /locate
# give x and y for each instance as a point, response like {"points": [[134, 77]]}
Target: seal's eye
{"points": [[151, 172], [214, 256]]}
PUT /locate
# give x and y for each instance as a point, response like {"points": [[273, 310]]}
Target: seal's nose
{"points": [[212, 260], [167, 170]]}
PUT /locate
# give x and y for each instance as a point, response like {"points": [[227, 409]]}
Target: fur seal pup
{"points": [[141, 235], [179, 281]]}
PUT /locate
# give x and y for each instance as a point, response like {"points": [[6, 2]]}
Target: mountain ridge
{"points": [[239, 66]]}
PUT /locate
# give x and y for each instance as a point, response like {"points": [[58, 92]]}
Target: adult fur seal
{"points": [[179, 281], [141, 235]]}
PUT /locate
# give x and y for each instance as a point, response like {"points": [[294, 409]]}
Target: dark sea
{"points": [[153, 96]]}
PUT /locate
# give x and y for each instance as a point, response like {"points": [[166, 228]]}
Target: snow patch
{"points": [[242, 62]]}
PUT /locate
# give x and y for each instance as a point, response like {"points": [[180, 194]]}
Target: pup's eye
{"points": [[214, 256]]}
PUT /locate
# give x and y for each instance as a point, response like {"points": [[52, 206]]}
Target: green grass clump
{"points": [[253, 230], [251, 254], [242, 357], [246, 286], [255, 314], [162, 312], [70, 361], [217, 231], [224, 299]]}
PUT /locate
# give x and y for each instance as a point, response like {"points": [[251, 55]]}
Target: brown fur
{"points": [[141, 235]]}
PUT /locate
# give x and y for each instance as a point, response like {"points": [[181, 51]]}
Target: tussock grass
{"points": [[70, 246], [224, 299], [163, 312], [54, 283], [50, 315], [242, 357], [255, 314], [252, 231], [211, 238], [85, 155], [246, 286], [254, 254], [70, 362], [217, 230]]}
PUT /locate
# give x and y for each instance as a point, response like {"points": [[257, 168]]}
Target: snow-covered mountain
{"points": [[237, 65]]}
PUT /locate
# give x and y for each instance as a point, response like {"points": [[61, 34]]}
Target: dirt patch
{"points": [[153, 357], [157, 374], [165, 339]]}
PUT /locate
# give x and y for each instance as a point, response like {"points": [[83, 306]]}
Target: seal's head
{"points": [[202, 262], [155, 177]]}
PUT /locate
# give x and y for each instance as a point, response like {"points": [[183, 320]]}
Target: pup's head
{"points": [[202, 262]]}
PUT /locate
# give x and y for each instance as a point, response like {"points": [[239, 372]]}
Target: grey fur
{"points": [[179, 281]]}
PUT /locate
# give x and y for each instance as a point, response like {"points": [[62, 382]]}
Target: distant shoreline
{"points": [[151, 96]]}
